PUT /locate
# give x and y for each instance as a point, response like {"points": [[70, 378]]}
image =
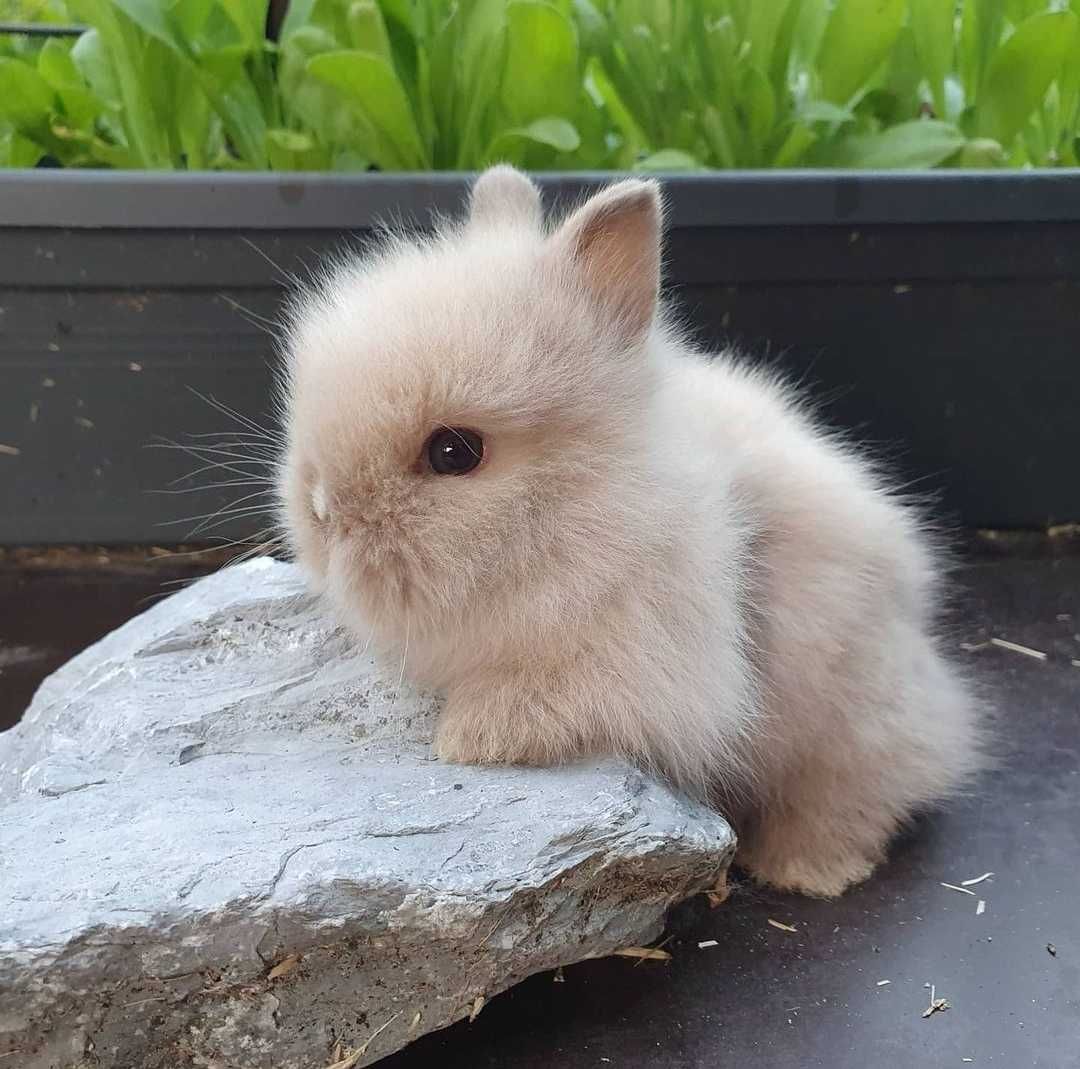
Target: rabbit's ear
{"points": [[503, 196], [613, 242]]}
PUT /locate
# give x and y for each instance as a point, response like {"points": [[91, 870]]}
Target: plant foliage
{"points": [[403, 85]]}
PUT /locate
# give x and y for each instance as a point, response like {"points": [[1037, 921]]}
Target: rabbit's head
{"points": [[466, 413]]}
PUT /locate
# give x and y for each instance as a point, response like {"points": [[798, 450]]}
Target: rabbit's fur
{"points": [[660, 556]]}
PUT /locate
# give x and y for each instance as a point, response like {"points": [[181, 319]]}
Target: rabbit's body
{"points": [[658, 555]]}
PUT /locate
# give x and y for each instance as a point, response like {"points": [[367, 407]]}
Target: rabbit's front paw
{"points": [[466, 739], [459, 744], [481, 731]]}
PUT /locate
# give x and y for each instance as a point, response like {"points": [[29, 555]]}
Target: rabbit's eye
{"points": [[454, 451]]}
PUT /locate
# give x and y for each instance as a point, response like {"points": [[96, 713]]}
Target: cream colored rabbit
{"points": [[591, 538]]}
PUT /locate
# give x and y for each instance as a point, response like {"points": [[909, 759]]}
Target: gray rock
{"points": [[224, 843]]}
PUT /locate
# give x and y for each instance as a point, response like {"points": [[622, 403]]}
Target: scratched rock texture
{"points": [[224, 843]]}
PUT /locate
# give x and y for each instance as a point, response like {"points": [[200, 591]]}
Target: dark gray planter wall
{"points": [[934, 315]]}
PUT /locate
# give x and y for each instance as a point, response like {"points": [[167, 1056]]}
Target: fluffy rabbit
{"points": [[506, 463]]}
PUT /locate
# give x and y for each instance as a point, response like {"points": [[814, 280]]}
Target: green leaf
{"points": [[79, 106], [911, 145], [722, 45], [808, 32], [122, 47], [290, 140], [296, 50], [932, 27], [482, 54], [150, 17], [1069, 87], [670, 159], [481, 44], [317, 107], [369, 85], [604, 92], [95, 151], [1020, 73], [765, 18], [549, 132], [903, 78], [193, 117], [189, 16], [759, 106], [785, 45], [980, 153], [92, 62], [249, 17], [858, 37], [223, 77], [26, 99], [19, 151], [718, 138], [592, 27], [1018, 10], [402, 12], [290, 150], [446, 104], [367, 30], [298, 14], [800, 139], [425, 106], [541, 72], [980, 34], [823, 111], [723, 130], [56, 66]]}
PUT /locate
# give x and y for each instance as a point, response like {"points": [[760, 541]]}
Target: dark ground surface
{"points": [[763, 996]]}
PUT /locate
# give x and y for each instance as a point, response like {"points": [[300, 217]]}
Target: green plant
{"points": [[568, 84], [32, 11]]}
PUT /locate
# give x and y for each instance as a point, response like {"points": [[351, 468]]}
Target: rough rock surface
{"points": [[224, 843]]}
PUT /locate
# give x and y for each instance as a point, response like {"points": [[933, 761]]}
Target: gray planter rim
{"points": [[126, 200]]}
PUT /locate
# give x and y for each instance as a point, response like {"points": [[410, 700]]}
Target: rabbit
{"points": [[506, 463]]}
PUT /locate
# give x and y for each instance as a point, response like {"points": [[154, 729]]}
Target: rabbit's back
{"points": [[863, 719]]}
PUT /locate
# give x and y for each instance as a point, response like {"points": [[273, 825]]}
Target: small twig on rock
{"points": [[283, 967], [350, 1059]]}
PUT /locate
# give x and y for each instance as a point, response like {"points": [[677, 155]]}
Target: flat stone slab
{"points": [[224, 843]]}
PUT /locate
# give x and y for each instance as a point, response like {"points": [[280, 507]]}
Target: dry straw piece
{"points": [[718, 893], [1015, 647], [954, 887], [645, 953], [354, 1056], [937, 1005], [284, 967]]}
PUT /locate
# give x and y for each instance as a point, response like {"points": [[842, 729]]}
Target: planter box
{"points": [[935, 315]]}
